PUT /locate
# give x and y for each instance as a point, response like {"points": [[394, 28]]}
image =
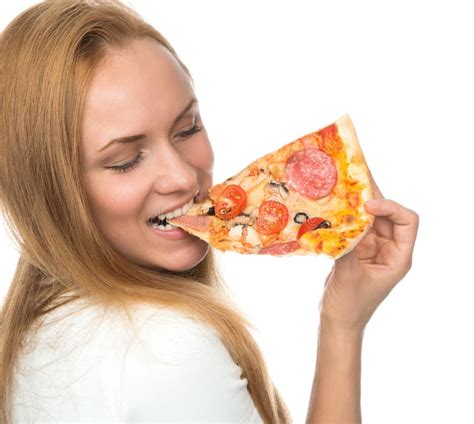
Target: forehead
{"points": [[139, 82]]}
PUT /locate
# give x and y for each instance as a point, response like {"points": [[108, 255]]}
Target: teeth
{"points": [[166, 227], [175, 213]]}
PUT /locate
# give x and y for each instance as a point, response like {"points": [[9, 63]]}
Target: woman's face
{"points": [[164, 161]]}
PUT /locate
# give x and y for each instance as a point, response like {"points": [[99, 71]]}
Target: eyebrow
{"points": [[133, 138]]}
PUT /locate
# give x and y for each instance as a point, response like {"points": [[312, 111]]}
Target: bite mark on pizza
{"points": [[305, 198]]}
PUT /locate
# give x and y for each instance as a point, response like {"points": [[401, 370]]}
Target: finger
{"points": [[375, 188], [367, 248], [329, 276], [383, 226], [405, 221]]}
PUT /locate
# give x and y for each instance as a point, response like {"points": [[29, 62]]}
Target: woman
{"points": [[107, 318]]}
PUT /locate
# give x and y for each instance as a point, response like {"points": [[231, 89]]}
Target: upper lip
{"points": [[179, 205]]}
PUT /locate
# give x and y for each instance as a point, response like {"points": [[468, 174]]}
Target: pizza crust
{"points": [[354, 242], [359, 169], [358, 166]]}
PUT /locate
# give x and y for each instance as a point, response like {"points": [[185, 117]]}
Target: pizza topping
{"points": [[216, 191], [194, 222], [279, 249], [311, 172], [353, 199], [235, 232], [311, 224], [272, 217], [278, 188], [244, 233], [331, 142], [300, 217], [349, 219], [244, 219], [231, 202], [283, 190], [252, 237], [211, 211], [280, 184]]}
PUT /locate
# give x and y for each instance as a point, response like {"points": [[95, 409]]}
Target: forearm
{"points": [[335, 395]]}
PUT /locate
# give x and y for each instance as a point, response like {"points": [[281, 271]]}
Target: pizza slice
{"points": [[305, 198]]}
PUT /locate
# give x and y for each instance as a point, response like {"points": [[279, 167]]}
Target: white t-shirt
{"points": [[89, 366]]}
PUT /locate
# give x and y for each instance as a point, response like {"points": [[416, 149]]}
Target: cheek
{"points": [[113, 199]]}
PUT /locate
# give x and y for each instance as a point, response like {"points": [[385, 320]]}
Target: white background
{"points": [[269, 72]]}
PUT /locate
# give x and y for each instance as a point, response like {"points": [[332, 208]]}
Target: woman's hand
{"points": [[360, 280], [357, 284]]}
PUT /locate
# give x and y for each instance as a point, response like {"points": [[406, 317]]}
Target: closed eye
{"points": [[127, 166], [134, 162], [195, 129]]}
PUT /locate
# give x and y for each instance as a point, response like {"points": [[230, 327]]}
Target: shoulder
{"points": [[183, 370], [144, 368], [87, 331]]}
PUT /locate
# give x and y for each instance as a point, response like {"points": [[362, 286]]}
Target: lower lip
{"points": [[176, 234]]}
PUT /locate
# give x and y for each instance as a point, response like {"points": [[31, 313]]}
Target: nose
{"points": [[175, 173]]}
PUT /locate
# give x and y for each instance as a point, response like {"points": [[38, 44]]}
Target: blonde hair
{"points": [[47, 56]]}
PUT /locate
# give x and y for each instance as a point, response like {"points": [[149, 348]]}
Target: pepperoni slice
{"points": [[311, 172], [279, 249], [199, 222]]}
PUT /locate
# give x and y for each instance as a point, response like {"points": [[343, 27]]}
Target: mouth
{"points": [[161, 224], [160, 221]]}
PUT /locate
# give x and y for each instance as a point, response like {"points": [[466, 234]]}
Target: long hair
{"points": [[47, 56]]}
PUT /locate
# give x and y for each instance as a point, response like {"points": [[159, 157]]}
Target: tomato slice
{"points": [[311, 224], [231, 202], [272, 217]]}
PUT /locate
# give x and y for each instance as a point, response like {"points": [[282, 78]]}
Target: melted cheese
{"points": [[235, 233], [252, 237]]}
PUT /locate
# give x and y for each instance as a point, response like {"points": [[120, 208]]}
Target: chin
{"points": [[185, 259]]}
